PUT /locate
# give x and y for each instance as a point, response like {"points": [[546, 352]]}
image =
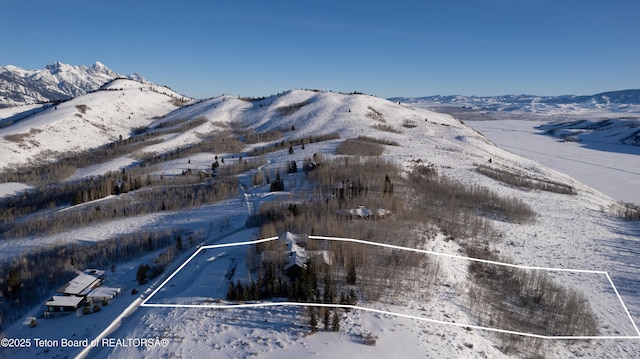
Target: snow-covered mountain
{"points": [[55, 82], [613, 101], [84, 122]]}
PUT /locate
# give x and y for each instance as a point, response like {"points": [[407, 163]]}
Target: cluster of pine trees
{"points": [[330, 319], [302, 288]]}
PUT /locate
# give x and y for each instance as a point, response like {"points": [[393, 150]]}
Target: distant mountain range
{"points": [[59, 82], [56, 82], [618, 101]]}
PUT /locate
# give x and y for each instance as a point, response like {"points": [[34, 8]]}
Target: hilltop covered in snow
{"points": [[56, 82], [84, 122]]}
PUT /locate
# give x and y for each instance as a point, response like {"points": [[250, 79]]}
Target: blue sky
{"points": [[384, 48]]}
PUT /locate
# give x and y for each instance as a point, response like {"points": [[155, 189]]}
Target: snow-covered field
{"points": [[11, 188], [597, 157], [569, 232], [614, 170]]}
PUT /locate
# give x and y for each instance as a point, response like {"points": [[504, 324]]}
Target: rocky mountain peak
{"points": [[57, 81]]}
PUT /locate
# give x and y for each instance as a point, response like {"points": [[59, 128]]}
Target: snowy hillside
{"points": [[55, 82], [246, 144], [85, 122], [616, 131]]}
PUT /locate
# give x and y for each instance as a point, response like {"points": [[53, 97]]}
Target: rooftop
{"points": [[104, 292], [98, 273], [64, 301], [80, 285]]}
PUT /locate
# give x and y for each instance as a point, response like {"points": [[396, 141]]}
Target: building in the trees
{"points": [[362, 213], [298, 257]]}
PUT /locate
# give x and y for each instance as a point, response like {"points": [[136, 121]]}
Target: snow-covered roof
{"points": [[382, 212], [103, 292], [362, 211], [292, 237], [64, 301], [80, 285], [327, 256], [298, 258], [298, 255]]}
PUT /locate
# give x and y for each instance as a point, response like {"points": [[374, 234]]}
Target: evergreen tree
{"points": [[277, 184], [329, 295], [343, 299], [243, 292], [179, 243], [326, 319], [14, 284], [335, 326], [255, 292], [352, 297], [293, 209], [231, 292], [141, 274], [388, 186], [351, 274], [313, 321], [292, 167]]}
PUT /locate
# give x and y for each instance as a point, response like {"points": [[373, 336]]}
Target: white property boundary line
{"points": [[353, 240]]}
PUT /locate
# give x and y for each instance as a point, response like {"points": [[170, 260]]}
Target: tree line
{"points": [[144, 201]]}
